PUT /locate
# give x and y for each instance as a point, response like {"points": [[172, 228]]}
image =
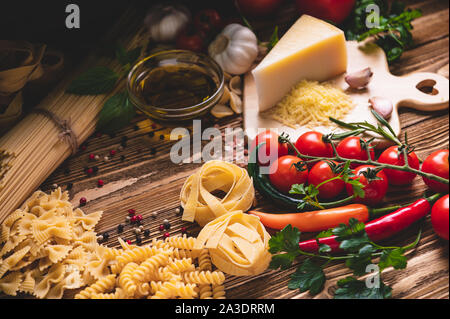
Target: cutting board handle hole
{"points": [[427, 87]]}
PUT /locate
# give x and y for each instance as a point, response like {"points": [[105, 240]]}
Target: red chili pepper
{"points": [[383, 227]]}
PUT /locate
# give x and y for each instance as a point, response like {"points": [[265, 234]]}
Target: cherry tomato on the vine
{"points": [[271, 150], [439, 217], [375, 185], [392, 156], [312, 144], [354, 147], [437, 164], [286, 173], [322, 172], [190, 39], [257, 8], [208, 20]]}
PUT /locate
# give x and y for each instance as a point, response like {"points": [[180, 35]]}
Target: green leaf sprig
{"points": [[117, 111], [393, 34], [359, 250]]}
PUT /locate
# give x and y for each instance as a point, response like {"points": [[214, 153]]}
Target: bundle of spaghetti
{"points": [[34, 148]]}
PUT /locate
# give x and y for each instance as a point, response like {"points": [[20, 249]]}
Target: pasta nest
{"points": [[237, 242], [197, 194]]}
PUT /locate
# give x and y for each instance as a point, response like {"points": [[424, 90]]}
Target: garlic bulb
{"points": [[165, 21], [234, 49]]}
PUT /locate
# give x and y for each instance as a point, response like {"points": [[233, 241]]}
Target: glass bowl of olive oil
{"points": [[175, 85]]}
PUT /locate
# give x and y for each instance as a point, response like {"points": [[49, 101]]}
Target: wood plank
{"points": [[149, 182]]}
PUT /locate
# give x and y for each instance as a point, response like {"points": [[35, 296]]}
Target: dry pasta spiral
{"points": [[204, 277], [144, 271], [180, 265], [181, 242], [205, 291], [163, 290], [126, 281], [218, 292], [118, 294], [204, 260], [100, 286]]}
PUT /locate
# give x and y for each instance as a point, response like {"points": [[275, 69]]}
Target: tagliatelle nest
{"points": [[198, 200], [238, 244]]}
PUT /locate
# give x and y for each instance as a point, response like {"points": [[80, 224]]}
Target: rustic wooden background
{"points": [[141, 176]]}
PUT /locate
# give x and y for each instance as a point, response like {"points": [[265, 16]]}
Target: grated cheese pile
{"points": [[311, 104]]}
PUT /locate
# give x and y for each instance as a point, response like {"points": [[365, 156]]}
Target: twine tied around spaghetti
{"points": [[66, 133]]}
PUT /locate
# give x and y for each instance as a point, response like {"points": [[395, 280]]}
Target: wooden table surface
{"points": [[142, 177]]}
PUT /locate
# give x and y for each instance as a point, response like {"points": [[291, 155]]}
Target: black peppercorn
{"points": [[151, 134], [105, 236], [138, 239], [146, 233], [120, 228]]}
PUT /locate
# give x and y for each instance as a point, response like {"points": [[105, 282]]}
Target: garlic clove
{"points": [[220, 110], [382, 106], [227, 76], [225, 97], [235, 103], [359, 79], [236, 85]]}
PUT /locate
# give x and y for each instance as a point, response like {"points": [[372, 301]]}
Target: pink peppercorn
{"points": [[83, 200], [89, 171], [153, 126], [100, 183], [166, 235], [183, 229], [139, 218], [91, 157], [133, 219], [131, 212], [112, 152], [129, 242], [161, 227]]}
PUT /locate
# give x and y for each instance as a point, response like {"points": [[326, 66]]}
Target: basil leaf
{"points": [[98, 80], [116, 113]]}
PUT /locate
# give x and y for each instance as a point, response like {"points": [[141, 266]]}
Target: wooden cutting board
{"points": [[403, 91]]}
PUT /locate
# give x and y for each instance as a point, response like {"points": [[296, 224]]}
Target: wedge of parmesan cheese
{"points": [[311, 49]]}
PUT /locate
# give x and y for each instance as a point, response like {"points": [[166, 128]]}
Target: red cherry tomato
{"points": [[439, 217], [284, 173], [374, 190], [437, 164], [312, 144], [190, 40], [352, 148], [321, 172], [269, 152], [207, 20], [258, 8], [335, 11], [392, 156]]}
